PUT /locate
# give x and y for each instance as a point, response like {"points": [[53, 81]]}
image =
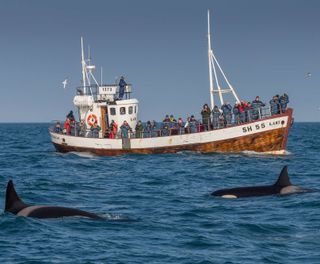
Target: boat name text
{"points": [[260, 126]]}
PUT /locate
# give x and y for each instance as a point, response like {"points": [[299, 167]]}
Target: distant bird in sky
{"points": [[65, 83], [308, 75]]}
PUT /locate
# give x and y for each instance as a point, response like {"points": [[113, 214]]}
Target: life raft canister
{"points": [[92, 119]]}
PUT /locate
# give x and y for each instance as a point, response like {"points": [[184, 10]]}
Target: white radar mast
{"points": [[87, 70], [213, 62]]}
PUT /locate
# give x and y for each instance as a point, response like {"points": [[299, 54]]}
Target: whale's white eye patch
{"points": [[229, 196]]}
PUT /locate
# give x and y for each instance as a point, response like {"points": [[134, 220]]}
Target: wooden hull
{"points": [[266, 136]]}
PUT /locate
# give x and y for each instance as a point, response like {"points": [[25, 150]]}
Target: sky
{"points": [[264, 47]]}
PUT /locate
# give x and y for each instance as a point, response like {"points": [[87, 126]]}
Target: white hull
{"points": [[275, 123]]}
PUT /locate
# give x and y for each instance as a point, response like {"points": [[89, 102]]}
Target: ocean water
{"points": [[158, 207]]}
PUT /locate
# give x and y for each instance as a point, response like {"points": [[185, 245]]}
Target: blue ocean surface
{"points": [[158, 207]]}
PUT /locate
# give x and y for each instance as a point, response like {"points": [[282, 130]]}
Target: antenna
{"points": [[83, 63], [89, 54], [101, 73], [212, 67]]}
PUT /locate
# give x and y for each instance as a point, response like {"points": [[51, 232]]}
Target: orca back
{"points": [[247, 191], [13, 202], [58, 211], [15, 205], [282, 182]]}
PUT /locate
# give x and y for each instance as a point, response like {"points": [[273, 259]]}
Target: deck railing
{"points": [[174, 128], [93, 90]]}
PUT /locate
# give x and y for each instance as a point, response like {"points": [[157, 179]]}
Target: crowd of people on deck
{"points": [[211, 119], [241, 112]]}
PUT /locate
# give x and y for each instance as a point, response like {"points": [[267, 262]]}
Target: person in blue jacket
{"points": [[226, 110], [236, 113], [193, 124], [275, 105], [125, 128], [57, 128], [122, 86], [248, 112], [284, 100], [165, 131], [256, 108], [215, 117]]}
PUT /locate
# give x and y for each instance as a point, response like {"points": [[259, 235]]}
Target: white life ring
{"points": [[92, 119]]}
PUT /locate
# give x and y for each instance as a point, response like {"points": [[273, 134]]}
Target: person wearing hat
{"points": [[70, 116], [166, 119]]}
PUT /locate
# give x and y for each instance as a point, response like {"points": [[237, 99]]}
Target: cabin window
{"points": [[112, 111], [135, 109], [130, 110], [122, 110]]}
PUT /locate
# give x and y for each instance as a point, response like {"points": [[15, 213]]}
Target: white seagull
{"points": [[65, 82]]}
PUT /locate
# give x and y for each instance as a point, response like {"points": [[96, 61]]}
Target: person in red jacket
{"points": [[242, 114], [114, 129], [67, 126]]}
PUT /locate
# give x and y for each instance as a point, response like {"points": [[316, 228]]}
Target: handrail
{"points": [[93, 90], [174, 128]]}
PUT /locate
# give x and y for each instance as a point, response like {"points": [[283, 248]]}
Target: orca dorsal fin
{"points": [[13, 202], [283, 179]]}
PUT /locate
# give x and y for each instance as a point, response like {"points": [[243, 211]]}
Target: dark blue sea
{"points": [[158, 207]]}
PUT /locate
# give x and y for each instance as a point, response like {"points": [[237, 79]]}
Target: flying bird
{"points": [[308, 75], [65, 82]]}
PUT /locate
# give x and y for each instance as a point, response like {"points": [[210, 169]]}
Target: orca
{"points": [[15, 205], [282, 186]]}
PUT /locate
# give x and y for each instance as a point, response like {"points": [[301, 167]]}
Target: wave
{"points": [[88, 155], [117, 218], [267, 154]]}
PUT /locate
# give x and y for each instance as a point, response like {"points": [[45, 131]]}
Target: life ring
{"points": [[92, 119]]}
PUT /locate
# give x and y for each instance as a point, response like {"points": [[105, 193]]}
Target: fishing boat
{"points": [[100, 106]]}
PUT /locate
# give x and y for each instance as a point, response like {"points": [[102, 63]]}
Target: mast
{"points": [[210, 64], [213, 62], [83, 63], [87, 70]]}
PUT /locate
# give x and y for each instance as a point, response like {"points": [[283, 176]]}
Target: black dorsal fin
{"points": [[283, 179], [13, 202]]}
